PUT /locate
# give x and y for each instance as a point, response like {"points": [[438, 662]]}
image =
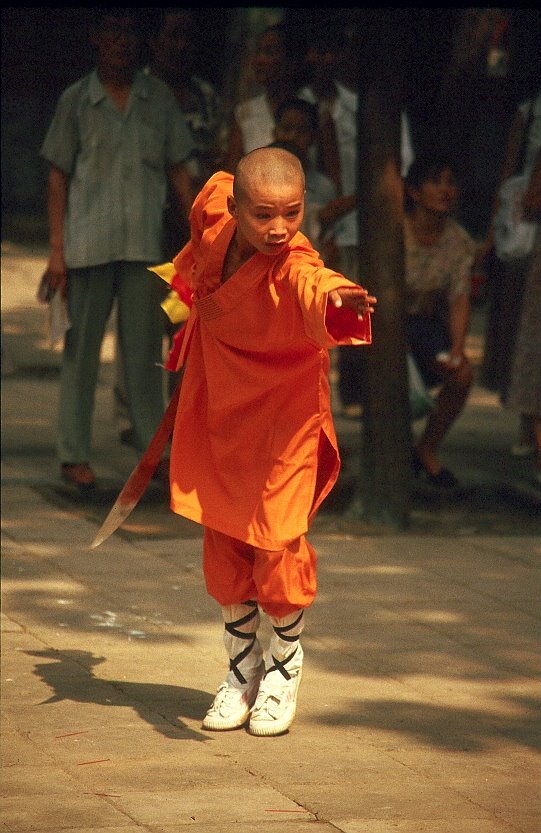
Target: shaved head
{"points": [[266, 167]]}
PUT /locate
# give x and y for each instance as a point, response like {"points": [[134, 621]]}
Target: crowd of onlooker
{"points": [[130, 146]]}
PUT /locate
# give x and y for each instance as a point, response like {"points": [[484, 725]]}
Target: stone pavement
{"points": [[419, 706]]}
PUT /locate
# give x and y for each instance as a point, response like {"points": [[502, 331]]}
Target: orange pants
{"points": [[280, 581]]}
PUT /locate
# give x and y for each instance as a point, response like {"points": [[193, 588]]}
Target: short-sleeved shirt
{"points": [[320, 190], [344, 115], [531, 109], [256, 122], [436, 274], [117, 166], [204, 114]]}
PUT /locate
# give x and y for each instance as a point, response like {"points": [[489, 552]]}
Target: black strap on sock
{"points": [[279, 665], [231, 627], [282, 632]]}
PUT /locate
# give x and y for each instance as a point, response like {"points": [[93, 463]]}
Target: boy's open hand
{"points": [[356, 298]]}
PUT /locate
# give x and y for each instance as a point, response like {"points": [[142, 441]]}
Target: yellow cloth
{"points": [[175, 309]]}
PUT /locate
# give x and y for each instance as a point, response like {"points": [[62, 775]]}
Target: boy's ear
{"points": [[232, 206]]}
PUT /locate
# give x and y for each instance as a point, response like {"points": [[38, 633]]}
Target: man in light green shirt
{"points": [[115, 137]]}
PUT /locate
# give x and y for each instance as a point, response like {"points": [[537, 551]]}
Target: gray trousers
{"points": [[91, 293]]}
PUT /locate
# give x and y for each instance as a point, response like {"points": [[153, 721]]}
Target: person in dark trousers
{"points": [[439, 256], [115, 137], [173, 52]]}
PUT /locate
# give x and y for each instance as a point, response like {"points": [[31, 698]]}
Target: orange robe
{"points": [[254, 450]]}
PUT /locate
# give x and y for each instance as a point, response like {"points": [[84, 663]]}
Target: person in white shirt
{"points": [[276, 66], [296, 130], [337, 106]]}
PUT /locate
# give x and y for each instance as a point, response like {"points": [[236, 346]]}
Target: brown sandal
{"points": [[79, 475]]}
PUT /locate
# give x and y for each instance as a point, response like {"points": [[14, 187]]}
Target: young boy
{"points": [[254, 451]]}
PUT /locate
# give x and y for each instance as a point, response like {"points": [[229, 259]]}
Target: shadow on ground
{"points": [[70, 676], [452, 729]]}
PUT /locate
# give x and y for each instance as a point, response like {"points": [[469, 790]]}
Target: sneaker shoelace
{"points": [[226, 697]]}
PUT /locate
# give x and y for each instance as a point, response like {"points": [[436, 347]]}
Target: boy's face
{"points": [[437, 195], [295, 127], [268, 216]]}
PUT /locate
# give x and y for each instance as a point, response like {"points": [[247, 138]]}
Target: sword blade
{"points": [[114, 519], [138, 480]]}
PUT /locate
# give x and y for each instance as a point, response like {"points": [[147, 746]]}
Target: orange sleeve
{"points": [[207, 209], [326, 325]]}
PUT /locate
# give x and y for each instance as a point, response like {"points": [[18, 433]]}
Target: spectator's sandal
{"points": [[79, 475], [444, 479]]}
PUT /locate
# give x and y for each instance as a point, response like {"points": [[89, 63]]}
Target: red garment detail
{"points": [[176, 346], [185, 294], [343, 322], [182, 289]]}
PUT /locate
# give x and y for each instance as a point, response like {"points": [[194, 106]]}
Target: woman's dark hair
{"points": [[426, 169]]}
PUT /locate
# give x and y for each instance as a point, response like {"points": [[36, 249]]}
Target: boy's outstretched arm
{"points": [[355, 298]]}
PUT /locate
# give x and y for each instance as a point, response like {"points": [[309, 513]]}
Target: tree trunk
{"points": [[385, 479]]}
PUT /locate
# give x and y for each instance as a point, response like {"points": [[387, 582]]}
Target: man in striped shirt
{"points": [[117, 134]]}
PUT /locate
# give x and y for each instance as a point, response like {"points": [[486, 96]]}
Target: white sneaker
{"points": [[232, 705], [275, 706]]}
